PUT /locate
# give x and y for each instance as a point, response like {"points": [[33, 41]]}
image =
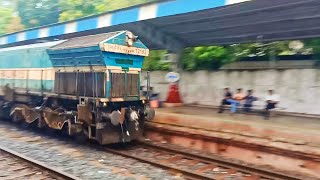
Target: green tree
{"points": [[38, 12], [14, 25], [259, 49], [213, 57], [314, 44], [73, 9], [6, 15], [205, 58], [153, 61], [110, 5], [189, 59]]}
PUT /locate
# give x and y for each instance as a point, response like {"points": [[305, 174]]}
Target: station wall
{"points": [[299, 89]]}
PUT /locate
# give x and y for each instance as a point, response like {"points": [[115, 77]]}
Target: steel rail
{"points": [[245, 168], [54, 172], [186, 174], [225, 163]]}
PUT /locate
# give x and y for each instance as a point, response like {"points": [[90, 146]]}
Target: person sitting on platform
{"points": [[248, 100], [272, 100], [226, 99], [237, 98]]}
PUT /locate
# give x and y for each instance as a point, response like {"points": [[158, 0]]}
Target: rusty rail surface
{"points": [[17, 166], [195, 165]]}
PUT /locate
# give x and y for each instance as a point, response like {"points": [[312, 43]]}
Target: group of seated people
{"points": [[247, 100]]}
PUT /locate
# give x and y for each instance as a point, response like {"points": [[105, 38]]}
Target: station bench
{"points": [[255, 109], [259, 109]]}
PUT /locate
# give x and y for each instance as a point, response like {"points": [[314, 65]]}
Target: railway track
{"points": [[17, 166], [196, 165], [188, 164]]}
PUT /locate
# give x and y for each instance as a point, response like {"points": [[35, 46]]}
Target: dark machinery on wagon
{"points": [[87, 86]]}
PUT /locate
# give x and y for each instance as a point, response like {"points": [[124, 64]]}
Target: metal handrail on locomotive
{"points": [[86, 86]]}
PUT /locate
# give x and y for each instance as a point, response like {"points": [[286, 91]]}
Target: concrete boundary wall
{"points": [[299, 88]]}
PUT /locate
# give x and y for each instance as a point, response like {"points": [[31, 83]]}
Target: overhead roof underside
{"points": [[254, 21], [258, 20]]}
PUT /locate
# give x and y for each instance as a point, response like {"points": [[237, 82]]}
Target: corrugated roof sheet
{"points": [[85, 41], [31, 46]]}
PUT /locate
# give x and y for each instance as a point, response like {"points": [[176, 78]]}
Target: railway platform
{"points": [[288, 142], [293, 129]]}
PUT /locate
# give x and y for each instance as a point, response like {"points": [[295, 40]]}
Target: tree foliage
{"points": [[73, 9], [110, 5], [314, 44], [205, 57], [213, 57], [79, 8], [259, 49], [38, 12], [153, 61], [14, 25], [5, 18]]}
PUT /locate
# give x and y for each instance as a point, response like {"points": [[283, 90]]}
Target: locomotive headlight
{"points": [[130, 42], [130, 35], [130, 38], [143, 101]]}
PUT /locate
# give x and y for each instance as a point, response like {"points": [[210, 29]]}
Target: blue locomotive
{"points": [[86, 86]]}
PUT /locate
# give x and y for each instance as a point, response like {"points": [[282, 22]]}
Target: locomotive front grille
{"points": [[81, 83], [132, 80], [117, 85], [123, 84]]}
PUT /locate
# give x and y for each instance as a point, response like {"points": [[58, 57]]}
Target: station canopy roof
{"points": [[251, 21], [254, 21]]}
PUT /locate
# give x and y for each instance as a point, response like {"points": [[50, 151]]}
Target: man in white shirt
{"points": [[272, 100]]}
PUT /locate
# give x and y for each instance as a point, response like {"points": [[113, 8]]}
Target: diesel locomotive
{"points": [[86, 86]]}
